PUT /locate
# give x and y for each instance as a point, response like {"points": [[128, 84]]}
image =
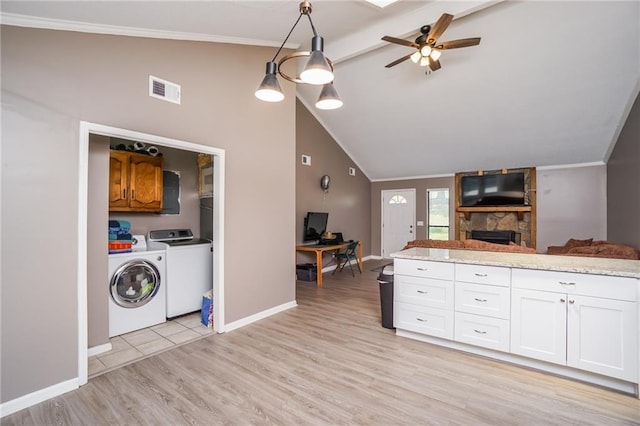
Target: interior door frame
{"points": [[382, 193], [87, 128]]}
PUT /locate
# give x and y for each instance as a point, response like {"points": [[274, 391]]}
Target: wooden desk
{"points": [[319, 250]]}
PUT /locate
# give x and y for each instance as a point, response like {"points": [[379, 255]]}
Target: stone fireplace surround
{"points": [[519, 219]]}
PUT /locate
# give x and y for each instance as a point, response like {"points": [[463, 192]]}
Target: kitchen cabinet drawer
{"points": [[423, 268], [492, 333], [618, 288], [431, 321], [482, 274], [423, 291], [483, 299]]}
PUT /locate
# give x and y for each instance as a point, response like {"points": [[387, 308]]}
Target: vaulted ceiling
{"points": [[551, 83]]}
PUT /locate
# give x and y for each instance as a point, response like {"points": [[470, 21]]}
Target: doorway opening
{"points": [[218, 156]]}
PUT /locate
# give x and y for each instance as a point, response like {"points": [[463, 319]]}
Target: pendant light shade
{"points": [[269, 90], [329, 98], [317, 71]]}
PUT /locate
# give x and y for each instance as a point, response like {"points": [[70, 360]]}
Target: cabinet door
{"points": [[603, 336], [118, 179], [539, 325], [146, 183]]}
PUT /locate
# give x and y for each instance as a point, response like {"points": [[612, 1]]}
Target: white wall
{"points": [[572, 203]]}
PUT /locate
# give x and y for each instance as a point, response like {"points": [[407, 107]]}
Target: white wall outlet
{"points": [[420, 223], [352, 171], [306, 160]]}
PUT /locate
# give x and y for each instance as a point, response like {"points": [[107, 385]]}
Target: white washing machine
{"points": [[137, 291], [189, 268]]}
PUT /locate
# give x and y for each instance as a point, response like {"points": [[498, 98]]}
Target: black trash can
{"points": [[385, 279]]}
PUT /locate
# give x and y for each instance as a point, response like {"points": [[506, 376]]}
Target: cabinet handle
{"points": [[421, 320], [422, 292], [479, 332], [480, 275], [562, 300], [124, 193], [133, 194], [422, 269], [566, 283], [479, 300], [572, 301]]}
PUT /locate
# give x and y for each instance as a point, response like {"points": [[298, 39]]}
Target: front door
{"points": [[398, 219]]}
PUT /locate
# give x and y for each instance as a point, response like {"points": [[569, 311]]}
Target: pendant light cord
{"points": [[287, 38]]}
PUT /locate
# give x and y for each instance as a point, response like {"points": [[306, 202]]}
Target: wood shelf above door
{"points": [[520, 210]]}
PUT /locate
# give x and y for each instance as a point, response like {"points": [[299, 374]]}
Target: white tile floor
{"points": [[139, 344]]}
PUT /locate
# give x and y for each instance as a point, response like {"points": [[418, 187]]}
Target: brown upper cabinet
{"points": [[135, 182]]}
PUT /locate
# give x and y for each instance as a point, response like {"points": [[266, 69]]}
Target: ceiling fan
{"points": [[428, 50]]}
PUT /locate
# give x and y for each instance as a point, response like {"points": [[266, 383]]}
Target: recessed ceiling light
{"points": [[381, 3]]}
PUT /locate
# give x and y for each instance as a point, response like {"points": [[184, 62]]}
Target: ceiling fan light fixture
{"points": [[425, 50], [317, 71], [328, 98], [424, 61], [435, 54], [269, 90], [416, 57]]}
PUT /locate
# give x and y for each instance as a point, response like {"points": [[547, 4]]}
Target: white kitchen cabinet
{"points": [[597, 334], [602, 336], [423, 297], [539, 325]]}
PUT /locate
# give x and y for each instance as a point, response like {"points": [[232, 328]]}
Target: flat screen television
{"points": [[492, 190], [315, 224]]}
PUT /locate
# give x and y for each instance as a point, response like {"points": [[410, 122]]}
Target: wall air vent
{"points": [[163, 89]]}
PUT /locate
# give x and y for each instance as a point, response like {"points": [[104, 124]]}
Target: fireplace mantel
{"points": [[520, 210]]}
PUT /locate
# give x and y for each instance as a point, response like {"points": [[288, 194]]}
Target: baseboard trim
{"points": [[37, 397], [100, 349], [260, 315]]}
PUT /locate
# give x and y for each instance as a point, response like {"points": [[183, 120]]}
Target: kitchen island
{"points": [[572, 316]]}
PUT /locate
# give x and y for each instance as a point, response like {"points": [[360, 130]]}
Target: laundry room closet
{"points": [[138, 191]]}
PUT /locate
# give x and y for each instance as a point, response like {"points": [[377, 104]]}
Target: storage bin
{"points": [[306, 272]]}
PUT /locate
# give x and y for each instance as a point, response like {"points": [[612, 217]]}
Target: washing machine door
{"points": [[134, 283]]}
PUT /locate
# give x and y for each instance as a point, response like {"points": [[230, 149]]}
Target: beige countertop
{"points": [[583, 265]]}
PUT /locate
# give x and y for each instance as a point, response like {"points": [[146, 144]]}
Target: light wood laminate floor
{"points": [[328, 361]]}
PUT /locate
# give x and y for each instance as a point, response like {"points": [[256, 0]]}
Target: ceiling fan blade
{"points": [[397, 61], [434, 65], [463, 42], [438, 28], [400, 41]]}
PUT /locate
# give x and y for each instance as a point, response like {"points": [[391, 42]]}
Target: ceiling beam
{"points": [[369, 38]]}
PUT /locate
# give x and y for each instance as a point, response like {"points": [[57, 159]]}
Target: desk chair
{"points": [[347, 256]]}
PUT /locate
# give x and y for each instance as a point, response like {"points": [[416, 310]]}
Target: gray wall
{"points": [[348, 199], [623, 183], [421, 186], [572, 203], [51, 80], [97, 239]]}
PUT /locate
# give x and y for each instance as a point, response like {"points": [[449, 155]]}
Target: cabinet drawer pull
{"points": [[479, 300], [422, 291], [479, 332], [422, 269], [421, 320], [566, 283], [480, 275]]}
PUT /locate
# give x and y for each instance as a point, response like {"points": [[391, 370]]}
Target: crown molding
{"points": [[85, 27]]}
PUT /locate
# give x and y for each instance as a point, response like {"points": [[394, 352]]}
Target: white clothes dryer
{"points": [[137, 291]]}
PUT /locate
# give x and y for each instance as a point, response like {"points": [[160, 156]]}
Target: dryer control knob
{"points": [[159, 258]]}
